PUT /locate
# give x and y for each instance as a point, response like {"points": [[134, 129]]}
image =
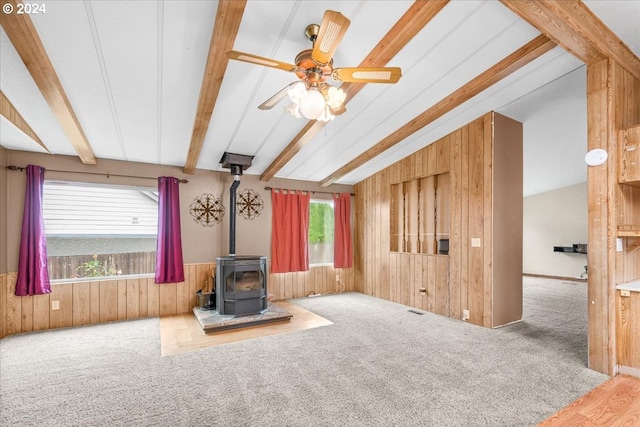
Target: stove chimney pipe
{"points": [[232, 218], [235, 162]]}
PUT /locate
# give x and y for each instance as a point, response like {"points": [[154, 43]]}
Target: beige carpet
{"points": [[378, 364]]}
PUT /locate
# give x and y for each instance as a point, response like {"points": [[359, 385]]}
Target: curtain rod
{"points": [[18, 168], [310, 191]]}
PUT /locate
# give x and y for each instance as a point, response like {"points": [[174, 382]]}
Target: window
{"points": [[96, 230], [321, 229]]}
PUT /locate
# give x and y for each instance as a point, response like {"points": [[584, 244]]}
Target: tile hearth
{"points": [[212, 322]]}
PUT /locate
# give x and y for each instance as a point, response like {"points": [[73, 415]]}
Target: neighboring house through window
{"points": [[98, 230]]}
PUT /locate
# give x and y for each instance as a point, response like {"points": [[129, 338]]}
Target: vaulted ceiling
{"points": [[150, 81]]}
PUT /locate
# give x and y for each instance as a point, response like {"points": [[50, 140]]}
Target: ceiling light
{"points": [[596, 157], [293, 109], [315, 102], [326, 115], [335, 97]]}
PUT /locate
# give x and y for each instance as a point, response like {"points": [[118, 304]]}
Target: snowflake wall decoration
{"points": [[207, 210], [249, 204]]}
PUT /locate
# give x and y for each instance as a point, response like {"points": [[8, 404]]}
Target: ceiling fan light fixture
{"points": [[313, 97], [293, 109], [335, 97], [326, 115], [313, 104], [297, 93]]}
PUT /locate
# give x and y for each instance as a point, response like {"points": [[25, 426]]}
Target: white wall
{"points": [[555, 218]]}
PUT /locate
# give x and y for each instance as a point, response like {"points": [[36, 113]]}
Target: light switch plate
{"points": [[618, 244], [475, 242]]}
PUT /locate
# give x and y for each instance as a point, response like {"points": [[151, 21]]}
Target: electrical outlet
{"points": [[55, 305], [475, 242], [337, 277], [465, 314]]}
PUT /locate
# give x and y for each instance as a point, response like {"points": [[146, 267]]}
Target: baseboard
{"points": [[507, 324], [627, 370], [544, 276]]}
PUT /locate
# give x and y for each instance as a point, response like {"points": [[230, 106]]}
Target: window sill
{"points": [[99, 279]]}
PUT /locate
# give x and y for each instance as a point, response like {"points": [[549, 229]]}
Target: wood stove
{"points": [[241, 280], [241, 285]]}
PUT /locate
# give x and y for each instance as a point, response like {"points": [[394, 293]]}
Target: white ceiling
{"points": [[133, 70]]}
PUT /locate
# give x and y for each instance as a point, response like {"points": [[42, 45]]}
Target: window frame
{"points": [[148, 191], [330, 203]]}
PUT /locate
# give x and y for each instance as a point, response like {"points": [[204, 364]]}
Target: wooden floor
{"points": [[614, 403], [182, 333]]}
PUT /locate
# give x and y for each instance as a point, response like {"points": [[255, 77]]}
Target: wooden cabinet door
{"points": [[629, 166]]}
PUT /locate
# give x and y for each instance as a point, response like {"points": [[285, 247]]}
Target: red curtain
{"points": [[342, 256], [33, 276], [289, 231], [169, 266]]}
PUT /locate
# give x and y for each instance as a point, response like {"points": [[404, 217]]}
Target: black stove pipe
{"points": [[236, 170]]}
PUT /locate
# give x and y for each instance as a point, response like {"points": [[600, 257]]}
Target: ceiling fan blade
{"points": [[259, 60], [368, 75], [333, 27], [271, 102]]}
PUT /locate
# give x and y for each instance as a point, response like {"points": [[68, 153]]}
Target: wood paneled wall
{"points": [[420, 281], [321, 279], [420, 214], [100, 301], [613, 104], [464, 279]]}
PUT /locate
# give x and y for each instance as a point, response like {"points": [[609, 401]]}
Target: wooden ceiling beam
{"points": [[11, 113], [572, 25], [413, 20], [225, 30], [518, 59], [25, 39]]}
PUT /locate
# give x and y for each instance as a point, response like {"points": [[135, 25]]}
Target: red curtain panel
{"points": [[289, 231], [342, 255], [169, 266], [33, 276]]}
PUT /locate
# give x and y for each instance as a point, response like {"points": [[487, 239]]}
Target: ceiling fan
{"points": [[312, 96]]}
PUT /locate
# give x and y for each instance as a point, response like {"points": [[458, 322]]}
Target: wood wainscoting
{"points": [[101, 301], [319, 279]]}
